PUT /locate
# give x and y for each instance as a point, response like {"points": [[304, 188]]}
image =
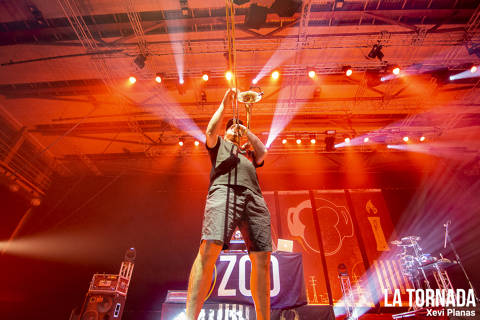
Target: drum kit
{"points": [[416, 264]]}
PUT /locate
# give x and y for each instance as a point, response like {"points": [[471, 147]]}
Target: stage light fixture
{"points": [[140, 61], [396, 71], [284, 141], [313, 141], [347, 140], [405, 139], [180, 142], [228, 75], [254, 81], [158, 78], [35, 202], [376, 52], [299, 141], [181, 81], [348, 70], [473, 69], [365, 139], [197, 143], [203, 96], [311, 74], [339, 4], [132, 79], [330, 143], [275, 75], [422, 138], [205, 76]]}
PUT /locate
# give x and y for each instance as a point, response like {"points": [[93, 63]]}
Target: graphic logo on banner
{"points": [[242, 277], [297, 227], [377, 230], [337, 224]]}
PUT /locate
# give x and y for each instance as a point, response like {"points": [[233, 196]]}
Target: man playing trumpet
{"points": [[234, 199]]}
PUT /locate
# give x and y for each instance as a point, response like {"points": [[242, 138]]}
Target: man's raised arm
{"points": [[214, 124]]}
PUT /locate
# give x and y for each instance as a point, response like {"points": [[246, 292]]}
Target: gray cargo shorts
{"points": [[246, 209]]}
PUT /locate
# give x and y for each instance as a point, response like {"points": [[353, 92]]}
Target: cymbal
{"points": [[411, 238]]}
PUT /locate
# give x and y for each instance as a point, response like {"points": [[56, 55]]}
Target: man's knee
{"points": [[209, 251]]}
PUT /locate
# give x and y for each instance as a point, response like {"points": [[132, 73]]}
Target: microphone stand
{"points": [[457, 257]]}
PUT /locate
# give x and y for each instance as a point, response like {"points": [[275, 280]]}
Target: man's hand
{"points": [[241, 129]]}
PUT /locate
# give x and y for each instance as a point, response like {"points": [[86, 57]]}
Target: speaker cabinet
{"points": [[102, 306], [256, 17]]}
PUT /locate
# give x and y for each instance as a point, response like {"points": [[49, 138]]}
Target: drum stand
{"points": [[457, 257]]}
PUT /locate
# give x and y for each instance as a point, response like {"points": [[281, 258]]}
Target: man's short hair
{"points": [[230, 122]]}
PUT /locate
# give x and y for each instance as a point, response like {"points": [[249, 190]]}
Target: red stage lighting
{"points": [[284, 141], [405, 139], [299, 141], [473, 69], [422, 138], [347, 140], [348, 70], [311, 74], [396, 71], [205, 77], [275, 75], [197, 143], [365, 139], [132, 79]]}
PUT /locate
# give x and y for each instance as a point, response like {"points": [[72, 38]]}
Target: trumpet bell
{"points": [[249, 96]]}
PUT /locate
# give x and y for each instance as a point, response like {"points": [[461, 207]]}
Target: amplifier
{"points": [[109, 283]]}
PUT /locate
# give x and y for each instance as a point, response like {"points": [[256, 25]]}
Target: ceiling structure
{"points": [[67, 105]]}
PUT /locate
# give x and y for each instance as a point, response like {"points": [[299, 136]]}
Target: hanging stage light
{"points": [[158, 78], [311, 74], [396, 71], [132, 79], [348, 70], [228, 75], [284, 141], [376, 52], [180, 142], [205, 76], [275, 75], [140, 61]]}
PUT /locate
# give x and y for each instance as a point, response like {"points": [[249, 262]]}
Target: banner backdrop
{"points": [[344, 220], [296, 223], [231, 283], [377, 231], [340, 243]]}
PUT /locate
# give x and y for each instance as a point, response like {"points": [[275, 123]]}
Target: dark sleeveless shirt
{"points": [[230, 167]]}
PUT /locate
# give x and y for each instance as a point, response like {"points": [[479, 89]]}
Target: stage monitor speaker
{"points": [[286, 8], [256, 16], [102, 306]]}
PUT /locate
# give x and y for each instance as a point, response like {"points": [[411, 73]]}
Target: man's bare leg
{"points": [[260, 283], [201, 277]]}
